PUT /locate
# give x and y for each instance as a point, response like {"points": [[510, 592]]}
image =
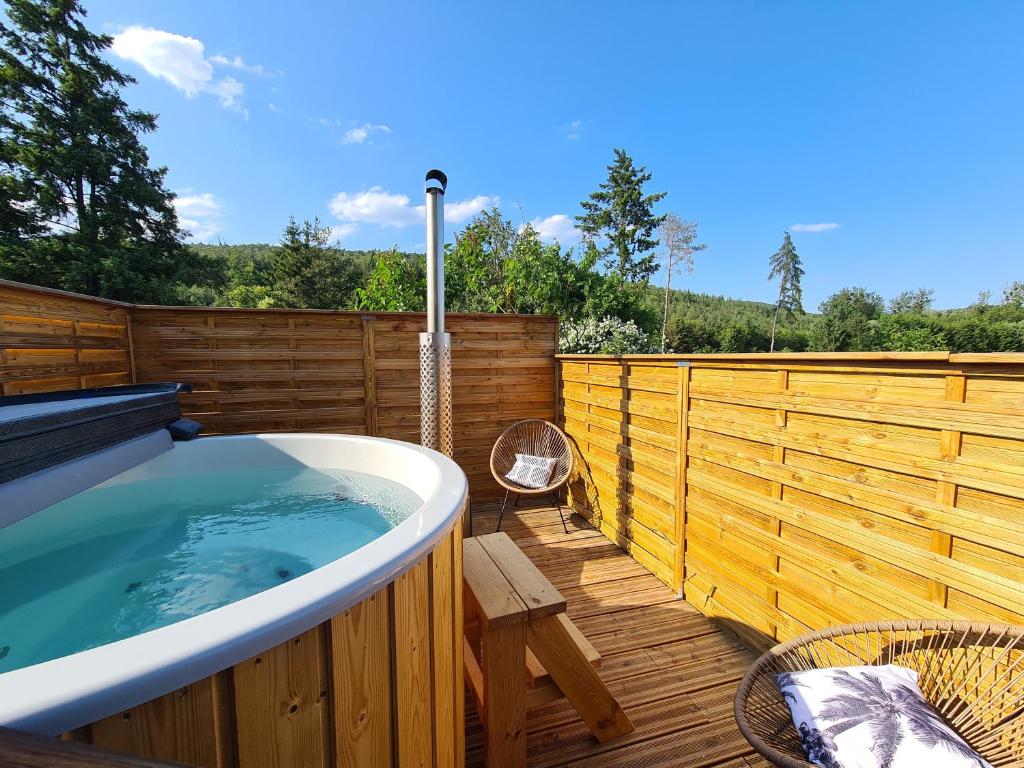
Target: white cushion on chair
{"points": [[871, 717], [531, 471]]}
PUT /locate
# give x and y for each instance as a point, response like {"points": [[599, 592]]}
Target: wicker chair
{"points": [[972, 673], [535, 437]]}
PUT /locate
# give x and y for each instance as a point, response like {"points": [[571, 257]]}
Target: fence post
{"points": [[370, 375], [682, 434], [779, 459], [950, 442], [130, 338]]}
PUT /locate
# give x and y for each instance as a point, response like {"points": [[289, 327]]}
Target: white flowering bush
{"points": [[607, 336]]}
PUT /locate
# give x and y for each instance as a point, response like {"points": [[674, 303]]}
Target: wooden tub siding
{"points": [[374, 686], [790, 492]]}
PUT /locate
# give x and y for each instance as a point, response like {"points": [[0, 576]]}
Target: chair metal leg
{"points": [[502, 513], [554, 498]]}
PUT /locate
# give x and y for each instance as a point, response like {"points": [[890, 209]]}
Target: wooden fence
{"points": [[788, 492], [50, 340], [623, 417], [286, 370], [311, 371]]}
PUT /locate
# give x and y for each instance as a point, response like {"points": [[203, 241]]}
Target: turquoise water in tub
{"points": [[112, 562]]}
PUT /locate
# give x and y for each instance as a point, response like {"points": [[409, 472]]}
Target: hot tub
{"points": [[355, 662]]}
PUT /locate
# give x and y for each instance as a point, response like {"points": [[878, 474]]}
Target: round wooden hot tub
{"points": [[357, 663]]}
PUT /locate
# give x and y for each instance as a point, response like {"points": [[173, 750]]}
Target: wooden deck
{"points": [[673, 670]]}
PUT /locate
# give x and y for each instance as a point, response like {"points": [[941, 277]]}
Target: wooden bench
{"points": [[523, 651]]}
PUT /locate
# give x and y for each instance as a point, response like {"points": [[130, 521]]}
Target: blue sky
{"points": [[902, 124]]}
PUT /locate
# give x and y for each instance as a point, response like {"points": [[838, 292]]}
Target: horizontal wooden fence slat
{"points": [[795, 491]]}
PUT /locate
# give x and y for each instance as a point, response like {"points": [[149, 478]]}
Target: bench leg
{"points": [[555, 648], [504, 659]]}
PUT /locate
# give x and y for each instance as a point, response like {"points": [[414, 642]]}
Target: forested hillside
{"points": [[536, 278], [851, 320], [700, 322], [301, 271]]}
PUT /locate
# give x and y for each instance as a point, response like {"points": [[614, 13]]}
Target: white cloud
{"points": [[199, 213], [393, 209], [229, 92], [361, 133], [375, 206], [463, 210], [825, 226], [238, 63], [572, 129], [341, 231], [182, 62], [557, 227], [177, 59]]}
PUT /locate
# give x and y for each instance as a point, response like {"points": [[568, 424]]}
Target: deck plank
{"points": [[673, 670]]}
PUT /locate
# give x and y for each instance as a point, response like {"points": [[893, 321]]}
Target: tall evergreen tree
{"points": [[622, 214], [788, 270], [310, 275], [80, 207]]}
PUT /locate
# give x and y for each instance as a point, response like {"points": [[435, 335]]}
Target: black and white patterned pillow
{"points": [[531, 471], [871, 717]]}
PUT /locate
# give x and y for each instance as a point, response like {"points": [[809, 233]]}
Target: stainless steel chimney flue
{"points": [[435, 344], [435, 250]]}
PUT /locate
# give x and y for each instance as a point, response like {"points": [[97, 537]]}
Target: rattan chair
{"points": [[535, 437], [971, 673]]}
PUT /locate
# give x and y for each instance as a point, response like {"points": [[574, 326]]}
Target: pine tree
{"points": [[80, 207], [787, 269], [620, 213], [310, 275]]}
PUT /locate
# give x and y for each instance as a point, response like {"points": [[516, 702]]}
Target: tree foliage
{"points": [[309, 274], [1013, 294], [912, 301], [622, 214], [397, 283], [785, 266], [80, 206], [848, 322], [699, 323], [494, 267], [680, 245]]}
